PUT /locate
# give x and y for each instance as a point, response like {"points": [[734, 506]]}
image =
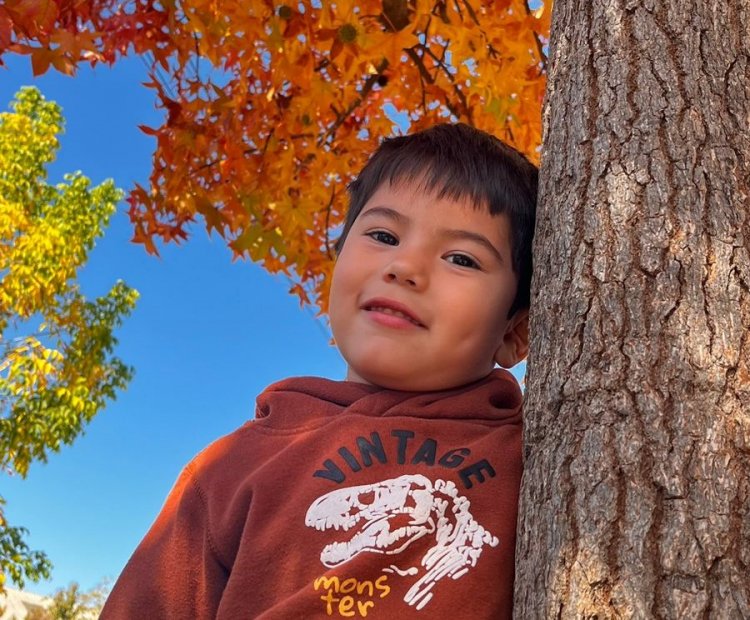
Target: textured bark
{"points": [[636, 493]]}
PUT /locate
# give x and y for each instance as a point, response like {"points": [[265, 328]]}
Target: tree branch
{"points": [[458, 10], [471, 12], [328, 222], [539, 46], [451, 78], [197, 57], [423, 73], [368, 85]]}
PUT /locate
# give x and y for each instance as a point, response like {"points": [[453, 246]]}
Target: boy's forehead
{"points": [[424, 184]]}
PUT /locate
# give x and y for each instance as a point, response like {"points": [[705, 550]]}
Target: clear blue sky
{"points": [[206, 337]]}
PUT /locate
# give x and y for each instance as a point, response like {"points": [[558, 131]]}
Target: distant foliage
{"points": [[272, 106], [17, 561], [57, 367], [72, 603]]}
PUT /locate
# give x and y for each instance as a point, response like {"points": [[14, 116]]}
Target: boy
{"points": [[392, 494]]}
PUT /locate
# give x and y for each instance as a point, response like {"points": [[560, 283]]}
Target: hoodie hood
{"points": [[297, 401]]}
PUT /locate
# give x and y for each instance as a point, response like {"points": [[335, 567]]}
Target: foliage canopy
{"points": [[57, 367], [271, 107]]}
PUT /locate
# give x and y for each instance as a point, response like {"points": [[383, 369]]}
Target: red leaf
{"points": [[336, 48], [140, 236], [6, 30], [37, 16], [63, 64], [149, 131], [41, 58]]}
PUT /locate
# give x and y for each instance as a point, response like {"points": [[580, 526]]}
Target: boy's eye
{"points": [[382, 236], [462, 260]]}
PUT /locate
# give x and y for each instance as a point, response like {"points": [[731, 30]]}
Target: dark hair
{"points": [[458, 161]]}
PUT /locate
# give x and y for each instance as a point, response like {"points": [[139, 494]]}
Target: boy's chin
{"points": [[415, 383]]}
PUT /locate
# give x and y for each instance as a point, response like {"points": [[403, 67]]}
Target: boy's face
{"points": [[421, 292]]}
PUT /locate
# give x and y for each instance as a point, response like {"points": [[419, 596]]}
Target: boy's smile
{"points": [[421, 292], [392, 314]]}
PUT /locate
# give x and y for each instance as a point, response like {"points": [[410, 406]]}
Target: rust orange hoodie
{"points": [[341, 500]]}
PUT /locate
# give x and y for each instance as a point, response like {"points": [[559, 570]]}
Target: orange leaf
{"points": [[37, 16], [63, 64], [149, 131], [6, 29], [41, 57]]}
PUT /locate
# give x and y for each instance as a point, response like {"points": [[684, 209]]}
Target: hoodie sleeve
{"points": [[175, 572]]}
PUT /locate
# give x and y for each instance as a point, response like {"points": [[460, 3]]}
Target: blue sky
{"points": [[206, 337]]}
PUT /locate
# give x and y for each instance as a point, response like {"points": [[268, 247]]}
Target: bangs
{"points": [[448, 169]]}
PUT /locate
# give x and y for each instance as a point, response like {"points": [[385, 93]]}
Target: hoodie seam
{"points": [[204, 503], [266, 428]]}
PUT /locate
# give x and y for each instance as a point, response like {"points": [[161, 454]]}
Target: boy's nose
{"points": [[403, 272]]}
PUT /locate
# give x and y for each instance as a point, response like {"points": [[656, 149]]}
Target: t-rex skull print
{"points": [[389, 516]]}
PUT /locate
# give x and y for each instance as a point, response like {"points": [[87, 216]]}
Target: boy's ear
{"points": [[515, 344]]}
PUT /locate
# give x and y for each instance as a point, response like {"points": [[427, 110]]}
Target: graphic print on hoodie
{"points": [[342, 500], [389, 516]]}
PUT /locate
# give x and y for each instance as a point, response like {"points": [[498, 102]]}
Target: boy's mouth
{"points": [[392, 308]]}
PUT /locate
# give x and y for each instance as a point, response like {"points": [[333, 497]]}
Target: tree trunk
{"points": [[636, 493]]}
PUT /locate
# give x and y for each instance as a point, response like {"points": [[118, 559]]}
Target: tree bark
{"points": [[636, 493]]}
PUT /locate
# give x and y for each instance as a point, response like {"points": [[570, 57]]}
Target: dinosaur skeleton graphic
{"points": [[390, 515]]}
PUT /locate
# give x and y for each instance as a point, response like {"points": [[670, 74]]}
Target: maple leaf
{"points": [[37, 16], [6, 29], [41, 58]]}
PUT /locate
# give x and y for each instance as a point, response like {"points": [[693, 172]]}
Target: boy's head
{"points": [[431, 285]]}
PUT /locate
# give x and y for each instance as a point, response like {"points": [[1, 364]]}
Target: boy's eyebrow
{"points": [[450, 233], [386, 212]]}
